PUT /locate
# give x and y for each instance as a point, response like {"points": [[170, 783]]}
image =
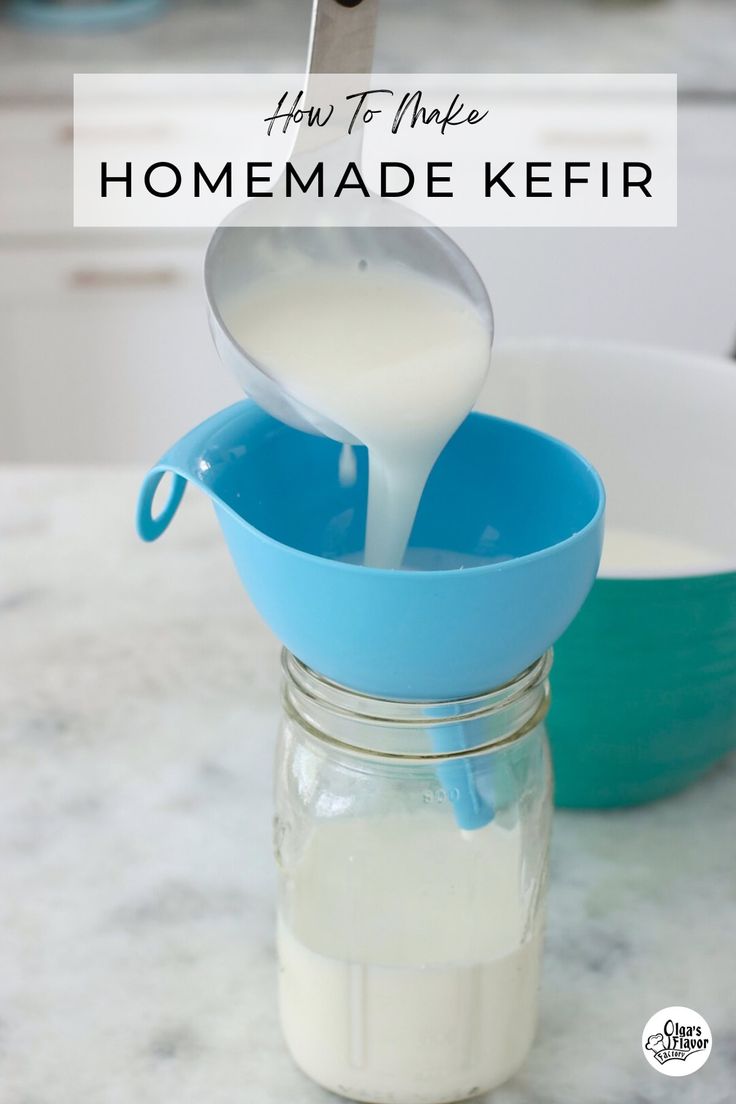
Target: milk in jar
{"points": [[409, 950]]}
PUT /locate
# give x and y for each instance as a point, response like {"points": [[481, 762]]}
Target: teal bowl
{"points": [[644, 680]]}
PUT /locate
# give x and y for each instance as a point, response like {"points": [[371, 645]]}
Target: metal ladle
{"points": [[242, 252]]}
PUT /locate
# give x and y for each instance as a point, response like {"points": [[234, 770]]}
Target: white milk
{"points": [[394, 358], [627, 551], [435, 559], [407, 974]]}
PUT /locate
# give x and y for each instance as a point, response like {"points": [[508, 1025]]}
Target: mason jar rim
{"points": [[498, 697], [318, 698]]}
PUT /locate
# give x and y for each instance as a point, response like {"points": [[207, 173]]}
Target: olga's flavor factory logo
{"points": [[676, 1041]]}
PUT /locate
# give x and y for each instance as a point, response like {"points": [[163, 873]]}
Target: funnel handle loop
{"points": [[149, 527]]}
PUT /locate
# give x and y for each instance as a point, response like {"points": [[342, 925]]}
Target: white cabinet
{"points": [[104, 347], [36, 145], [105, 352]]}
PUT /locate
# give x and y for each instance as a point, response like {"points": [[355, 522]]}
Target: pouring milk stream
{"points": [[394, 358]]}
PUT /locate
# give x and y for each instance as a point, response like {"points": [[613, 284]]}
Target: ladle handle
{"points": [[341, 41], [342, 36]]}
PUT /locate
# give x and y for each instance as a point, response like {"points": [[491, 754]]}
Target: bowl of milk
{"points": [[644, 681]]}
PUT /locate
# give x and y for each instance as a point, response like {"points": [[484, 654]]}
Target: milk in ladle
{"points": [[394, 358]]}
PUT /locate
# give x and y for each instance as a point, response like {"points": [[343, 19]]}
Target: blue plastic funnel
{"points": [[499, 490]]}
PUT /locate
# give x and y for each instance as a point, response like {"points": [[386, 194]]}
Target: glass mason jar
{"points": [[412, 841]]}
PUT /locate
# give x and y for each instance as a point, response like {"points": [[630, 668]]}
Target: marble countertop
{"points": [[695, 38], [138, 703]]}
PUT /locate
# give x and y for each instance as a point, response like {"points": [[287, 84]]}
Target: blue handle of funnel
{"points": [[471, 808], [186, 462], [461, 778], [150, 526]]}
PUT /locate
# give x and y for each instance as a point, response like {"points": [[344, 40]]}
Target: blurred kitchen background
{"points": [[104, 347]]}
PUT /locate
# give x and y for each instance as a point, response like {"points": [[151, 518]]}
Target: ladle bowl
{"points": [[241, 254]]}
